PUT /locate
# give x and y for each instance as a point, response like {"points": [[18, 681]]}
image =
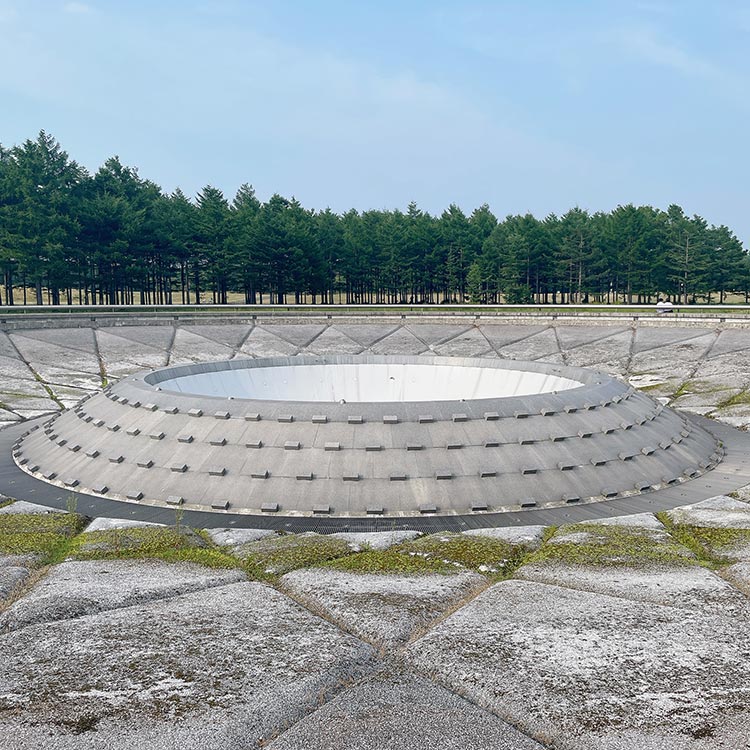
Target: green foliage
{"points": [[276, 555], [39, 534], [714, 546], [165, 543], [393, 560], [599, 544], [439, 553], [116, 238]]}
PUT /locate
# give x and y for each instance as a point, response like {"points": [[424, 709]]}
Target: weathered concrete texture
{"points": [[401, 712], [74, 589], [278, 554], [739, 575], [382, 609], [585, 671], [223, 669], [690, 587], [706, 369], [616, 544], [528, 536], [12, 578], [719, 512], [637, 520], [107, 524], [23, 507], [236, 537], [376, 540]]}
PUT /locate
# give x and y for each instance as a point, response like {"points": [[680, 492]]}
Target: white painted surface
{"points": [[368, 382]]}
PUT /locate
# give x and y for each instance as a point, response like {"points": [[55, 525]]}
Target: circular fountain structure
{"points": [[368, 436]]}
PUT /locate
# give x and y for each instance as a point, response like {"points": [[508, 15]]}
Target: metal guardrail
{"points": [[80, 314], [89, 309]]}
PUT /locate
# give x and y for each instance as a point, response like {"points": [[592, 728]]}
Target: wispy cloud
{"points": [[647, 45], [76, 7]]}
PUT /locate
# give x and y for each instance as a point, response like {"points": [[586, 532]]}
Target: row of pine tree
{"points": [[70, 237]]}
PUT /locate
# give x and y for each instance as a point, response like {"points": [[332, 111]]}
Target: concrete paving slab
{"points": [[264, 343], [380, 713], [385, 610], [152, 336], [507, 334], [13, 368], [572, 337], [190, 347], [583, 671], [377, 540], [78, 588], [80, 338], [731, 340], [677, 360], [401, 341], [689, 587], [648, 338], [24, 507], [11, 579], [637, 520], [434, 334], [46, 356], [235, 537], [107, 524], [122, 356], [471, 343], [333, 341], [738, 575], [365, 334], [720, 512], [228, 334], [297, 334], [528, 536], [540, 345], [614, 347], [138, 676]]}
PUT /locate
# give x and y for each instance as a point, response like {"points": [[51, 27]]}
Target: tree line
{"points": [[71, 237]]}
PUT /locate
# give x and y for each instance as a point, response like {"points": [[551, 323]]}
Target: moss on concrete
{"points": [[612, 545], [738, 399], [396, 560], [164, 543], [41, 534], [714, 545], [439, 553], [276, 555]]}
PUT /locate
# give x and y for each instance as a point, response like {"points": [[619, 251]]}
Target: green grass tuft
{"points": [[711, 545], [613, 546], [439, 553], [394, 560], [276, 555], [167, 543], [40, 534]]}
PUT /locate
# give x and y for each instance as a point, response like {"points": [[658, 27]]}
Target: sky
{"points": [[527, 105]]}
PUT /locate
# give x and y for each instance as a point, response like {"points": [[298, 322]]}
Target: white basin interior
{"points": [[368, 382]]}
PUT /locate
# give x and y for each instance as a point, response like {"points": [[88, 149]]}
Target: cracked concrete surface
{"points": [[612, 635], [700, 368], [611, 652]]}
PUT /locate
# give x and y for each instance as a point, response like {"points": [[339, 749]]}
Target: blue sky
{"points": [[529, 106]]}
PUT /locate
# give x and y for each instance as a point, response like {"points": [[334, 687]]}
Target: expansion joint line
{"points": [[39, 379]]}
